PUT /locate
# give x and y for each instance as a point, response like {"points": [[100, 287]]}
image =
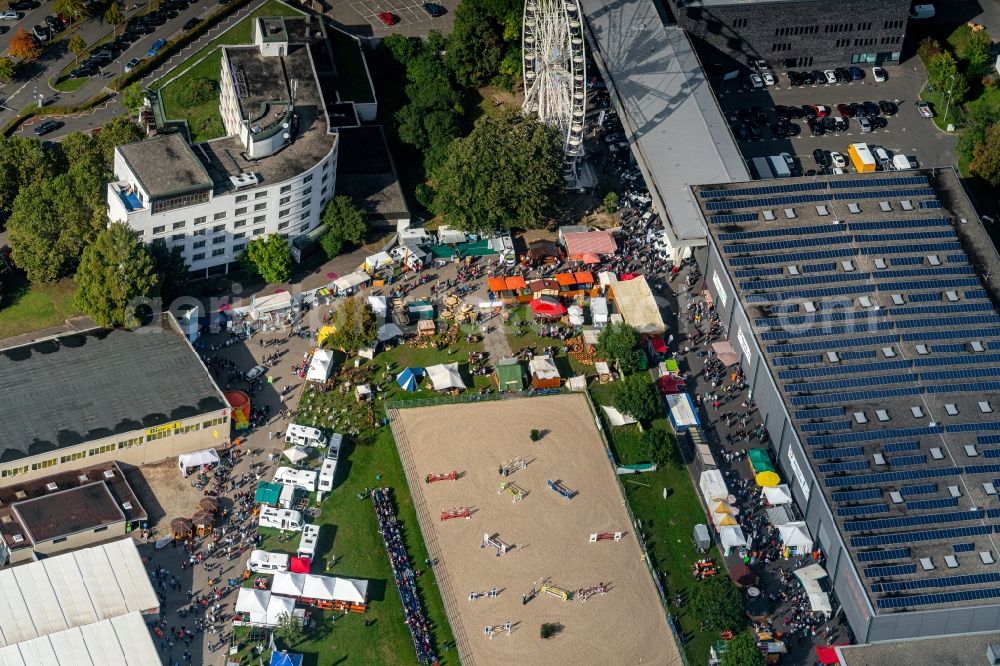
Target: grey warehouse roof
{"points": [[166, 166], [679, 135], [885, 345], [94, 384]]}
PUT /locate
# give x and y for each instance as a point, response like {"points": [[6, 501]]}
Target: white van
{"points": [[881, 156], [307, 544], [262, 561], [281, 519], [300, 435], [326, 475]]}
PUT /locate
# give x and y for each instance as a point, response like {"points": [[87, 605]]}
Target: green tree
{"points": [[115, 272], [512, 188], [76, 45], [172, 272], [114, 15], [742, 651], [981, 114], [619, 343], [635, 395], [944, 73], [977, 54], [928, 48], [8, 70], [658, 446], [718, 603], [484, 34], [71, 8], [117, 132], [355, 326], [133, 97], [271, 258], [986, 156], [345, 220], [610, 202], [331, 243], [289, 630], [23, 164]]}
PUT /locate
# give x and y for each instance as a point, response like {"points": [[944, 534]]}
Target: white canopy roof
{"points": [[543, 367], [634, 300], [304, 478], [263, 607], [271, 303], [578, 383], [295, 454], [447, 235], [73, 590], [326, 588], [731, 536], [350, 589], [378, 260], [197, 459], [320, 366], [617, 418], [288, 584], [388, 331], [779, 515], [713, 486], [796, 535], [605, 278], [778, 495], [445, 376], [378, 305], [810, 576], [121, 641], [351, 280]]}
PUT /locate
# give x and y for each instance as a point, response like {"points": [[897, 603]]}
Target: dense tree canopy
{"points": [[23, 164], [742, 651], [718, 603], [944, 73], [271, 258], [8, 70], [115, 273], [172, 272], [986, 156], [355, 326], [619, 344], [22, 45], [345, 220], [485, 40], [635, 395], [501, 176]]}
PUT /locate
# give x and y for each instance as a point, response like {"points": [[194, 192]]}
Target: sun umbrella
{"points": [[547, 306], [224, 307], [409, 379], [295, 454]]}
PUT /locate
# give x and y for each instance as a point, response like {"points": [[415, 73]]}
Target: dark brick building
{"points": [[796, 34]]}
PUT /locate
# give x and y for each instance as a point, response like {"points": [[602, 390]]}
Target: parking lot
{"points": [[361, 17], [905, 133]]}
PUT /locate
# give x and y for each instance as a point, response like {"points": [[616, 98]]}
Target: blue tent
{"points": [[409, 379], [279, 658]]}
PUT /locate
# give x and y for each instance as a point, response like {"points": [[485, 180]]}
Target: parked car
{"points": [[10, 16], [53, 23], [48, 126], [769, 79], [831, 76], [388, 18], [794, 78], [845, 111], [254, 372], [816, 127], [879, 74], [104, 56], [154, 18], [192, 23], [84, 70], [838, 160], [872, 110], [844, 74], [808, 111], [756, 81], [822, 160], [888, 108], [818, 76], [808, 79], [433, 9], [155, 48], [25, 5], [42, 32], [857, 73], [132, 64], [924, 109], [821, 111], [864, 124], [841, 124]]}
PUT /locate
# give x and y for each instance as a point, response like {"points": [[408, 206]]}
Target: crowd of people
{"points": [[404, 575]]}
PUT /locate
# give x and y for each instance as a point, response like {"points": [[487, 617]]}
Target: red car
{"points": [[821, 111], [388, 18]]}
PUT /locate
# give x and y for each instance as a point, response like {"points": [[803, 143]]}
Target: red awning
{"points": [[515, 283], [565, 279], [584, 277], [547, 306], [590, 242], [658, 345], [629, 276], [827, 655], [299, 565], [496, 284], [669, 384]]}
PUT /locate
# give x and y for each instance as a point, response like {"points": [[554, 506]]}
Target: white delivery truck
{"points": [[281, 519], [262, 561]]}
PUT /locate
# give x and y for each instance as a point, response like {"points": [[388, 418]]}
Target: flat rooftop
{"points": [[365, 172], [69, 511], [99, 383], [677, 131], [937, 651], [866, 294], [165, 166], [261, 81]]}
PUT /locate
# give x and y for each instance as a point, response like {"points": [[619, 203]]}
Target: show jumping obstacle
{"points": [[460, 512], [508, 467], [450, 476], [606, 536], [493, 540], [512, 489], [549, 588], [587, 592], [561, 489]]}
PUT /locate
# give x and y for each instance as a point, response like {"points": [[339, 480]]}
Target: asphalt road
{"points": [[906, 133]]}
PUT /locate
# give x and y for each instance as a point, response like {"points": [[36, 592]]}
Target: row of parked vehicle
{"points": [[766, 79]]}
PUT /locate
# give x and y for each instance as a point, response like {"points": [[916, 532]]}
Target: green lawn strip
{"points": [[198, 115], [32, 307], [352, 78], [67, 85], [666, 524]]}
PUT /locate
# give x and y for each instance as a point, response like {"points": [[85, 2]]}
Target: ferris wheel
{"points": [[555, 73]]}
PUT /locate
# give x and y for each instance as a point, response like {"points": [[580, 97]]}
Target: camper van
{"points": [[262, 561], [280, 519], [301, 478], [299, 435], [307, 543]]}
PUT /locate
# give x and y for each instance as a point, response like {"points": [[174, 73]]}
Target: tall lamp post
{"points": [[947, 105]]}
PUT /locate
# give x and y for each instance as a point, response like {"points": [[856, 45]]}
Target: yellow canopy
{"points": [[727, 520], [722, 507], [767, 479], [325, 332]]}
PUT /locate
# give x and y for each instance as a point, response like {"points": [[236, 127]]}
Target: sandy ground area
{"points": [[550, 534]]}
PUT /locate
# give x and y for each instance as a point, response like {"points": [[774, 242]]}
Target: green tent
{"points": [[420, 311], [510, 375], [267, 493], [763, 468]]}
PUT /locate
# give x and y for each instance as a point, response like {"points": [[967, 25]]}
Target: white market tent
{"points": [[378, 306], [796, 535], [445, 376], [713, 486], [615, 417], [779, 515], [320, 366], [578, 383], [731, 537], [449, 236], [634, 300], [186, 461], [778, 495], [263, 607], [350, 589], [122, 641], [388, 332], [288, 584], [303, 478], [682, 412], [347, 283], [270, 303], [296, 454], [377, 261], [73, 590], [323, 588], [819, 601], [543, 367]]}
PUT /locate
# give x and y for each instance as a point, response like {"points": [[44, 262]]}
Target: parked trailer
{"points": [[861, 158]]}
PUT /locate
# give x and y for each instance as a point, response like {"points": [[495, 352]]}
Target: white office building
{"points": [[273, 173]]}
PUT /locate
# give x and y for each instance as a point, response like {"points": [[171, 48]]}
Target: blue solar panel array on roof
{"points": [[783, 283], [937, 503], [942, 309], [837, 452], [891, 570], [910, 249], [830, 370], [899, 447], [965, 387], [828, 345], [833, 385], [923, 535], [872, 435], [913, 235], [842, 183], [854, 396], [778, 233], [889, 477], [766, 189], [879, 194], [793, 257], [824, 426], [931, 203], [883, 555], [943, 598], [862, 510], [769, 202], [911, 521], [920, 489], [878, 225], [964, 547], [770, 246], [946, 581], [856, 495], [729, 219]]}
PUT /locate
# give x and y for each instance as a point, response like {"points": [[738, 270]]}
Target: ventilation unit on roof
{"points": [[18, 538], [109, 474], [127, 506], [993, 654], [83, 478], [52, 487], [244, 180]]}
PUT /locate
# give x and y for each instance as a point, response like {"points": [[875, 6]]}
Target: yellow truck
{"points": [[861, 157]]}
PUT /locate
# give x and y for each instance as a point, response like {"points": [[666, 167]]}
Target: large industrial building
{"points": [[273, 172], [863, 311], [89, 397], [796, 33]]}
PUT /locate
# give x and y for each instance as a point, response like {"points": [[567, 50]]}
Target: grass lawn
{"points": [[528, 337], [68, 85], [27, 307], [352, 80], [666, 524]]}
